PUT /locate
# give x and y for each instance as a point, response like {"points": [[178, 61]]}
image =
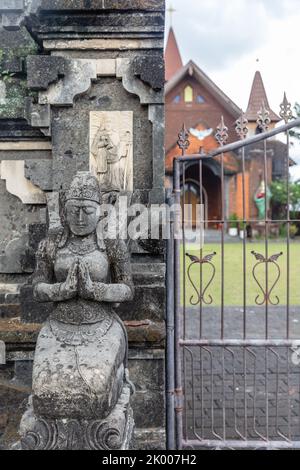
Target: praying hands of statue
{"points": [[89, 290], [98, 291], [86, 286], [79, 284], [69, 288], [44, 292]]}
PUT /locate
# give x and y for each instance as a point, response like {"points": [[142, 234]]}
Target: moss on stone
{"points": [[15, 48]]}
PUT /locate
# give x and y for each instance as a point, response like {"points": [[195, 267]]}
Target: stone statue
{"points": [[262, 199], [81, 390]]}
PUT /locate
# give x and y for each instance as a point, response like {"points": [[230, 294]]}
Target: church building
{"points": [[194, 99]]}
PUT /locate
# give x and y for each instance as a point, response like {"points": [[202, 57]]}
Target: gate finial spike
{"points": [[264, 119], [286, 110], [222, 133], [241, 126], [183, 139]]}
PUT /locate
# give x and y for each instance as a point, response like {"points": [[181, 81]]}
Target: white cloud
{"points": [[226, 37]]}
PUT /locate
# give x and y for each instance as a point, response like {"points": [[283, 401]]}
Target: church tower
{"points": [[173, 59], [258, 96]]}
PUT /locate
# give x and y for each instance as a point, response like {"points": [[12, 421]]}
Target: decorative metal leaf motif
{"points": [[208, 258], [266, 295], [241, 127], [201, 293], [183, 139], [222, 133], [258, 256], [286, 110], [264, 119]]}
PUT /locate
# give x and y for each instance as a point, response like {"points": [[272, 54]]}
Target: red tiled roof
{"points": [[172, 56], [258, 95]]}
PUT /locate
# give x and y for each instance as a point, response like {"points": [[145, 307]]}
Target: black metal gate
{"points": [[233, 373]]}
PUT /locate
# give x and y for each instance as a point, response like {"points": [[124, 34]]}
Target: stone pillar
{"points": [[99, 67]]}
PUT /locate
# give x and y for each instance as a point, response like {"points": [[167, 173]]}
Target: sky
{"points": [[231, 39]]}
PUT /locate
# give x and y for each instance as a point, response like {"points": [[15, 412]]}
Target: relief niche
{"points": [[111, 154]]}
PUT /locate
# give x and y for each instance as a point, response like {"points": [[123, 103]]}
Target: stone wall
{"points": [[59, 62]]}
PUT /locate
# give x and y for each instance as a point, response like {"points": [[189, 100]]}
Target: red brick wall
{"points": [[236, 196], [209, 112]]}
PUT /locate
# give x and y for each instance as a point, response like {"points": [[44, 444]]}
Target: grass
{"points": [[233, 273]]}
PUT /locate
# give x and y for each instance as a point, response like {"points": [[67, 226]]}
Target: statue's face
{"points": [[82, 216]]}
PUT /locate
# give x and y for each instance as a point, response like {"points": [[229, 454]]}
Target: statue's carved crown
{"points": [[84, 186]]}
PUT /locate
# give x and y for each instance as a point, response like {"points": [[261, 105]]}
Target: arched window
{"points": [[188, 94]]}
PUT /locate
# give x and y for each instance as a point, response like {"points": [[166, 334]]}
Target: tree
{"points": [[279, 199]]}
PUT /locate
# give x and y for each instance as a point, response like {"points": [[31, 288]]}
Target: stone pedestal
{"points": [[112, 433]]}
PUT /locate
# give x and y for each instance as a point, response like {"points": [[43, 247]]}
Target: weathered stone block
{"points": [[60, 5], [11, 5], [147, 373], [23, 373], [32, 311], [10, 310], [14, 47], [146, 332], [13, 64], [151, 70], [38, 115], [44, 70], [13, 399], [149, 439], [39, 172], [148, 303], [36, 233]]}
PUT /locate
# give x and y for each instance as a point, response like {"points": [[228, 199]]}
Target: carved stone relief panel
{"points": [[111, 154]]}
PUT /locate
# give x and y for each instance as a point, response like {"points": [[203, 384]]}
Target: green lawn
{"points": [[233, 273]]}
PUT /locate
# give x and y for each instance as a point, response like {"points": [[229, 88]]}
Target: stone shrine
{"points": [[81, 90]]}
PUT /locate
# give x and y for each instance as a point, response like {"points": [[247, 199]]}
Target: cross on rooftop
{"points": [[171, 10]]}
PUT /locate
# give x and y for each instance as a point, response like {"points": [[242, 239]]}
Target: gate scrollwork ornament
{"points": [[241, 127], [183, 139], [286, 110], [266, 293], [222, 135], [264, 120], [201, 293]]}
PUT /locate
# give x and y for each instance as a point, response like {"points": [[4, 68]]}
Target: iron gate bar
{"points": [[288, 238], [177, 298], [266, 237], [201, 252], [170, 380], [237, 145], [242, 131]]}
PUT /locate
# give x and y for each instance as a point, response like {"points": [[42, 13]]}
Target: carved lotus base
{"points": [[112, 433]]}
